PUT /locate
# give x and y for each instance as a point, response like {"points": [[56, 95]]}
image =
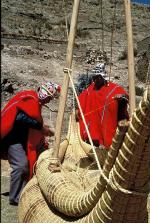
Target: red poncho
{"points": [[100, 110], [28, 102]]}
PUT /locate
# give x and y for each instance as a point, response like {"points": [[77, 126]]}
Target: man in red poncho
{"points": [[22, 134], [103, 104]]}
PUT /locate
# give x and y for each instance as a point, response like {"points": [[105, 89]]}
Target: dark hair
{"points": [[94, 77]]}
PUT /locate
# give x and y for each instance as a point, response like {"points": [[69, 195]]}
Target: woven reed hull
{"points": [[66, 191], [34, 208], [124, 196], [74, 155], [57, 187], [66, 196]]}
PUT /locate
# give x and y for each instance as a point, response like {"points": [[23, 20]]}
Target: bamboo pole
{"points": [[63, 96], [131, 72]]}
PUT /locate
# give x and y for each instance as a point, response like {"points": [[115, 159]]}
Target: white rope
{"points": [[66, 22], [102, 23], [88, 133], [148, 74]]}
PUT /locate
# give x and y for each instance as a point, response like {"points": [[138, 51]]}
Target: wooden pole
{"points": [[131, 72], [63, 96]]}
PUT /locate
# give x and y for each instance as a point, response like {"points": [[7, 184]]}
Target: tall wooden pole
{"points": [[63, 96], [131, 72]]}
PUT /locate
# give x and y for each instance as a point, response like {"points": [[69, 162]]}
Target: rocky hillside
{"points": [[46, 18], [34, 40]]}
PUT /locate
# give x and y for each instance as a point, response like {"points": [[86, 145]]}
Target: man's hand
{"points": [[55, 165], [47, 131], [120, 97], [77, 115]]}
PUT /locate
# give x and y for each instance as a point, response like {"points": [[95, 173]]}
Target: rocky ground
{"points": [[34, 43]]}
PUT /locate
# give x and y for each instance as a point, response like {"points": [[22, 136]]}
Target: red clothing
{"points": [[28, 102], [100, 110], [35, 141]]}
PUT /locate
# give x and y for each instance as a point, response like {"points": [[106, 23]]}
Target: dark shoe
{"points": [[5, 194], [13, 203]]}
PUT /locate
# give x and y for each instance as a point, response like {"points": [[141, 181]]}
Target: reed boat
{"points": [[79, 192]]}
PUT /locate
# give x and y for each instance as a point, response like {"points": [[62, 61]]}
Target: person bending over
{"points": [[23, 134]]}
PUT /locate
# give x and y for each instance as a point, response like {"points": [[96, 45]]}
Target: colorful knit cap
{"points": [[99, 69], [49, 89]]}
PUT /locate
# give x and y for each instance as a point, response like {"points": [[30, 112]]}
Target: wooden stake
{"points": [[63, 96], [131, 72]]}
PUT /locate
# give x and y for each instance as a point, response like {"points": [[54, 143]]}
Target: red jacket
{"points": [[28, 102], [100, 110]]}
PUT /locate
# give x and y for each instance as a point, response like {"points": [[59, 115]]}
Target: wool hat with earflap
{"points": [[99, 69], [49, 89]]}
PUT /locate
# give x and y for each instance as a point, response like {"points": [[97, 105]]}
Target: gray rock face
{"points": [[143, 59]]}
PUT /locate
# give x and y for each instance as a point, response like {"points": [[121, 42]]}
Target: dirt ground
{"points": [[27, 62], [8, 213]]}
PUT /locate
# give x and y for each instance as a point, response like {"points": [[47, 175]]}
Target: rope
{"points": [[102, 22], [109, 180], [148, 74], [74, 101], [50, 117], [102, 106], [66, 21], [66, 70], [112, 35]]}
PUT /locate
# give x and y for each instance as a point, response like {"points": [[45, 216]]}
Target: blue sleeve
{"points": [[23, 118]]}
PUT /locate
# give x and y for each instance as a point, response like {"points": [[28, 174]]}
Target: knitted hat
{"points": [[49, 89], [99, 69]]}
